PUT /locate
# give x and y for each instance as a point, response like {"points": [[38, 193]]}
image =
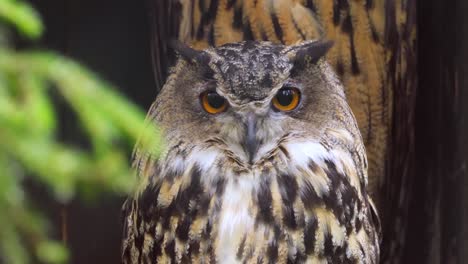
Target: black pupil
{"points": [[215, 100], [285, 97]]}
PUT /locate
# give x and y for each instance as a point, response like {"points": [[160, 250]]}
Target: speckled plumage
{"points": [[302, 197]]}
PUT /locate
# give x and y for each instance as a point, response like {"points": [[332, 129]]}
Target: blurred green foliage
{"points": [[29, 145]]}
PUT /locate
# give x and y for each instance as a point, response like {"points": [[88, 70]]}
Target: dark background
{"points": [[112, 39]]}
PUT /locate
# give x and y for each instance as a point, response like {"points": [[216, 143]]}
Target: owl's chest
{"points": [[302, 210], [250, 222], [236, 219]]}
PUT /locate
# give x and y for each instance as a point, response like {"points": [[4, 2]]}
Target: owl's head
{"points": [[245, 98]]}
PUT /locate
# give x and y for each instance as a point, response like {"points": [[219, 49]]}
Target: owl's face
{"points": [[245, 98]]}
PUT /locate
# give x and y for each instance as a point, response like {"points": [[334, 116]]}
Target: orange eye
{"points": [[212, 102], [286, 99]]}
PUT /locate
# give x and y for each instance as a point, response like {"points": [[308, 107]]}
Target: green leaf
{"points": [[38, 106], [20, 14], [52, 252]]}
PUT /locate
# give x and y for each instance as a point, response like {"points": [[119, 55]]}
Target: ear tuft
{"points": [[198, 58], [187, 53], [310, 51]]}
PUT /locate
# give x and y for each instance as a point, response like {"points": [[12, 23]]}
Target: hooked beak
{"points": [[251, 143]]}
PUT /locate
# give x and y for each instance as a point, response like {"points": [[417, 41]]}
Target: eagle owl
{"points": [[374, 56], [263, 163]]}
